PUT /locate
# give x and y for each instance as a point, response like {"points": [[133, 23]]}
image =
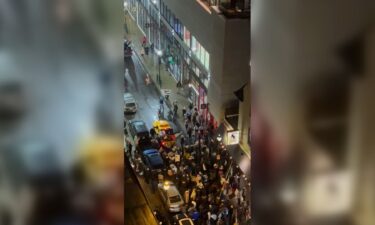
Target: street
{"points": [[147, 98]]}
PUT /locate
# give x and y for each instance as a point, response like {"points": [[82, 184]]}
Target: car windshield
{"points": [[175, 199], [132, 104], [156, 160]]}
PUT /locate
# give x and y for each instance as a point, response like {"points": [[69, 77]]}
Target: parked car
{"points": [[153, 159], [171, 197], [145, 143], [138, 129], [130, 104], [163, 128], [182, 219]]}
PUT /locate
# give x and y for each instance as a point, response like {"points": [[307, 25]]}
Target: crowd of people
{"points": [[214, 188]]}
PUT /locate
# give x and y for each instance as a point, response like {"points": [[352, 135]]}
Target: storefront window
{"points": [[202, 54], [197, 70], [187, 37], [207, 61], [194, 46], [171, 19]]}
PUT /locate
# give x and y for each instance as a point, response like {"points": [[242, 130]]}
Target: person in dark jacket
{"points": [[184, 111]]}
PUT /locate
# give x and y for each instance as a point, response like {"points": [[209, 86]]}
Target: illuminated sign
{"points": [[233, 137]]}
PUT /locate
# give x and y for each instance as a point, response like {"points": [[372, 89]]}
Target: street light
{"points": [[166, 185], [219, 138], [159, 53]]}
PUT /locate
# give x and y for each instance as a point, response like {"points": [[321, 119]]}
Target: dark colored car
{"points": [[145, 143], [138, 128], [153, 159]]}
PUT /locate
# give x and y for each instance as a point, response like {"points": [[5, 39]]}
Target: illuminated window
{"points": [[194, 46], [207, 61], [187, 37]]}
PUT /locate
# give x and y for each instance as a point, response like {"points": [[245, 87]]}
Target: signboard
{"points": [[233, 137]]}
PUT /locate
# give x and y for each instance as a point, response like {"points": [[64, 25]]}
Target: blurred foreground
{"points": [[313, 112], [61, 158]]}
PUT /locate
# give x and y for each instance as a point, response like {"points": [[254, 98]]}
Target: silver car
{"points": [[130, 105], [171, 197]]}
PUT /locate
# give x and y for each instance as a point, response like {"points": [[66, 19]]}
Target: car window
{"points": [[174, 199], [155, 160], [132, 104]]}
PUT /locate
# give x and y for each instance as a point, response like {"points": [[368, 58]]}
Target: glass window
{"points": [[167, 14], [207, 61], [197, 70], [201, 54], [194, 45], [187, 37], [177, 27], [172, 19]]}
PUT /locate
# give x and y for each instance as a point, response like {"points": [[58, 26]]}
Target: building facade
{"points": [[206, 46]]}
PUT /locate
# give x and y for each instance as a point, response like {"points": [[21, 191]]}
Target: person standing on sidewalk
{"points": [[161, 101], [182, 141], [179, 86], [147, 49], [175, 108], [142, 52], [152, 48], [147, 79], [184, 112], [189, 133], [130, 146], [191, 106], [144, 41]]}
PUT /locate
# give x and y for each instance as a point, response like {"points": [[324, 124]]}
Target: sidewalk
{"points": [[150, 63]]}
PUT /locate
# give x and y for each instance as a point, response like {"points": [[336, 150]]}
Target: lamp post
{"points": [[159, 53], [219, 138]]}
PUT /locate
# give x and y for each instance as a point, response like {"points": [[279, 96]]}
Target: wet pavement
{"points": [[147, 97]]}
